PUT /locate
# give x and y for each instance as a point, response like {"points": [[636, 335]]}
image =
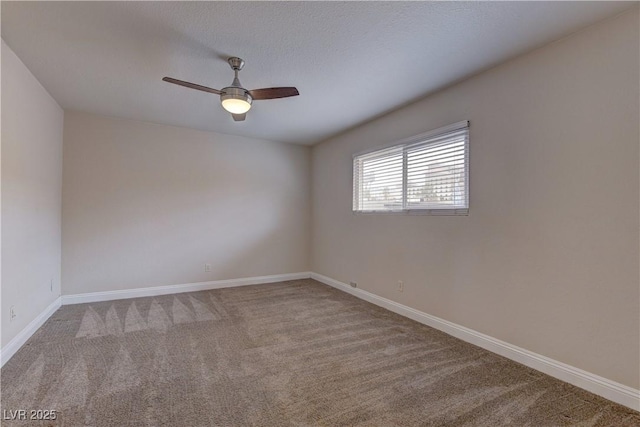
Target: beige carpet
{"points": [[296, 353]]}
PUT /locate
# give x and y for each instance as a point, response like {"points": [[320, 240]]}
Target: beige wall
{"points": [[548, 257], [148, 205], [31, 187]]}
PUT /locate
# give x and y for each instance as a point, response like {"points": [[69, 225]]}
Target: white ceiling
{"points": [[350, 61]]}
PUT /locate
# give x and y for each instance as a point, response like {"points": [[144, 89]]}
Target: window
{"points": [[428, 173]]}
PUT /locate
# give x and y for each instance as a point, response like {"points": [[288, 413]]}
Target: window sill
{"points": [[429, 212]]}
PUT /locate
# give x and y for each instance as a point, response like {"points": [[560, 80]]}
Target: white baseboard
{"points": [[18, 341], [608, 389], [175, 289]]}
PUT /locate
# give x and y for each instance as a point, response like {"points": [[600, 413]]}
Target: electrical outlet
{"points": [[12, 313], [400, 286], [353, 284], [207, 268]]}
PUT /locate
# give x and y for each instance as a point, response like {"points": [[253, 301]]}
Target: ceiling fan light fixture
{"points": [[235, 100]]}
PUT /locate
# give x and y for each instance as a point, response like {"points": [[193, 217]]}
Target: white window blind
{"points": [[428, 173]]}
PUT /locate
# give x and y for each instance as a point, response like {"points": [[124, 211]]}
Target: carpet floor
{"points": [[295, 353]]}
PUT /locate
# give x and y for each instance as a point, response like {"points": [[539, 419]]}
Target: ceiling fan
{"points": [[236, 99]]}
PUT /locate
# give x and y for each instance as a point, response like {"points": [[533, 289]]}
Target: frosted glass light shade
{"points": [[235, 105]]}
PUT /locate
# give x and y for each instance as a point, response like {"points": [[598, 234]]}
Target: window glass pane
{"points": [[436, 175], [381, 182]]}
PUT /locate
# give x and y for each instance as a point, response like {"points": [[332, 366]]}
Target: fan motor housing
{"points": [[232, 92], [236, 100]]}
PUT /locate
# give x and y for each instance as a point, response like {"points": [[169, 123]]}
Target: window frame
{"points": [[406, 144]]}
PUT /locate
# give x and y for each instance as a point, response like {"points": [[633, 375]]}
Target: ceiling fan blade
{"points": [[274, 92], [191, 85], [239, 117]]}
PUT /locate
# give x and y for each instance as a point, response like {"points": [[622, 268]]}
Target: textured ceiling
{"points": [[351, 61]]}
